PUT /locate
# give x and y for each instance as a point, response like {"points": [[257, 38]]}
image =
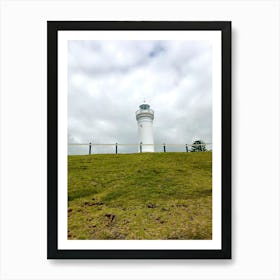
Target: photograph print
{"points": [[142, 135]]}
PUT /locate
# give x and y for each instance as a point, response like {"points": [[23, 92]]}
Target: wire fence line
{"points": [[110, 148]]}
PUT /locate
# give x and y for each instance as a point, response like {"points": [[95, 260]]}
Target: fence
{"points": [[117, 148]]}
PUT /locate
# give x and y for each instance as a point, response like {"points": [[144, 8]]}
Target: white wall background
{"points": [[255, 148]]}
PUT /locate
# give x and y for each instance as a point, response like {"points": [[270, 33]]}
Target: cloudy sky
{"points": [[108, 80]]}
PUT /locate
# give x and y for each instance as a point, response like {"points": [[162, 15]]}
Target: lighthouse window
{"points": [[145, 106]]}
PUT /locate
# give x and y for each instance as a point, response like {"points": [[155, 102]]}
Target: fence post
{"points": [[187, 148], [164, 149], [89, 149], [116, 148], [140, 147]]}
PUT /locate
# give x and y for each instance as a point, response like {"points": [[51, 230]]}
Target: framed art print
{"points": [[139, 140]]}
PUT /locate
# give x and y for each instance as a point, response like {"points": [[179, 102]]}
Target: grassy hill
{"points": [[140, 196]]}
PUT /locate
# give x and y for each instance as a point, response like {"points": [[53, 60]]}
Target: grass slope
{"points": [[140, 196]]}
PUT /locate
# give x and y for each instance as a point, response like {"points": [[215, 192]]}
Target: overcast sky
{"points": [[108, 80]]}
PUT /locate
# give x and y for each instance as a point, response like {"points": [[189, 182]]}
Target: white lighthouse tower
{"points": [[145, 117]]}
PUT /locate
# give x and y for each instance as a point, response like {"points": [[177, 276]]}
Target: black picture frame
{"points": [[52, 89]]}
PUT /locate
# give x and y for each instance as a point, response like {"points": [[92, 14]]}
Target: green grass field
{"points": [[140, 196]]}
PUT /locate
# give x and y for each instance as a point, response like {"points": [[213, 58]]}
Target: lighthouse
{"points": [[145, 117]]}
